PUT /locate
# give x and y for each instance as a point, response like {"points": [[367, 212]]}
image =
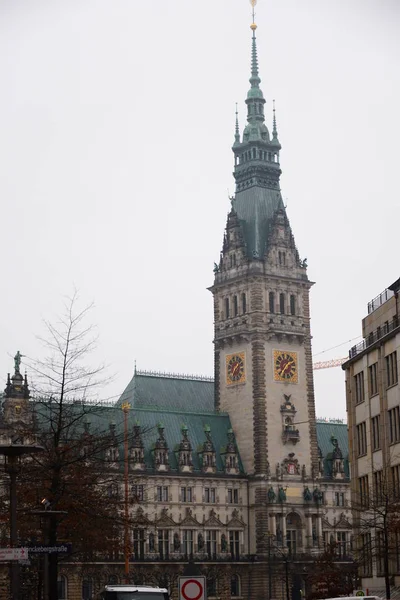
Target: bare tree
{"points": [[376, 509]]}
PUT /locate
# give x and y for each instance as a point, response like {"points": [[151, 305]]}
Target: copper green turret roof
{"points": [[257, 170]]}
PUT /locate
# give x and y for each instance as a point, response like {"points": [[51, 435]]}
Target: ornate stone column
{"points": [[273, 524]]}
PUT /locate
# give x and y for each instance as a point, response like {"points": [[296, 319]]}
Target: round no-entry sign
{"points": [[192, 588]]}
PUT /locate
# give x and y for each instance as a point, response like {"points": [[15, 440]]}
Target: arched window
{"points": [[87, 589], [235, 585], [62, 587], [271, 302], [244, 308], [292, 304], [234, 260], [282, 303], [235, 306]]}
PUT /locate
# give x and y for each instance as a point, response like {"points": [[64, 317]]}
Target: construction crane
{"points": [[328, 364]]}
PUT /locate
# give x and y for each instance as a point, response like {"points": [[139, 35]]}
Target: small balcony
{"points": [[289, 434], [374, 336]]}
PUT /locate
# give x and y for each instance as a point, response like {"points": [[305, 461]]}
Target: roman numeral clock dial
{"points": [[235, 368], [285, 366]]}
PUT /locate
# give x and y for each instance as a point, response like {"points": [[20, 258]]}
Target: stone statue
{"points": [[216, 268], [268, 470], [281, 495], [200, 542], [303, 471], [17, 362], [271, 495], [307, 495], [177, 542], [224, 545], [278, 471]]}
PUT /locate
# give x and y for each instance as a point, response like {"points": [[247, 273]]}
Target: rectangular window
{"points": [[395, 472], [233, 496], [359, 387], [138, 493], [339, 499], [209, 495], [341, 543], [235, 306], [373, 379], [391, 369], [211, 542], [366, 555], [378, 482], [394, 425], [138, 543], [234, 543], [380, 553], [163, 543], [363, 490], [271, 302], [188, 536], [282, 303], [292, 304], [361, 439], [226, 308], [244, 308], [162, 493], [186, 494], [375, 428]]}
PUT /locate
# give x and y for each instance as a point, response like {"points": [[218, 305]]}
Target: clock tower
{"points": [[263, 363]]}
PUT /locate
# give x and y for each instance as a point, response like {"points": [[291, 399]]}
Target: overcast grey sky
{"points": [[116, 126]]}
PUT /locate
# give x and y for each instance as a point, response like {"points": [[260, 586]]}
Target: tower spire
{"points": [[237, 134], [254, 79], [274, 130]]}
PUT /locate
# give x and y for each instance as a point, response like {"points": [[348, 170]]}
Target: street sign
{"points": [[13, 554], [55, 549], [192, 588]]}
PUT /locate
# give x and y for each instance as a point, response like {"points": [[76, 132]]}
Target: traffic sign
{"points": [[13, 554], [192, 588]]}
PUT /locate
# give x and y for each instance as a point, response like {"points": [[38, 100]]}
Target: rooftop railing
{"points": [[379, 300], [374, 336]]}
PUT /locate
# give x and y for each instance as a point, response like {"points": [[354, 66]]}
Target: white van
{"points": [[134, 592], [355, 598]]}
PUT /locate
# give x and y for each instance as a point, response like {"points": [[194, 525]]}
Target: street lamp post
{"points": [[12, 454]]}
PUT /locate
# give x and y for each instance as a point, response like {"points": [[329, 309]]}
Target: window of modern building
{"points": [[186, 494], [339, 499], [235, 306], [282, 303], [87, 589], [366, 554], [62, 587], [234, 543], [373, 379], [271, 302], [359, 387], [209, 494], [244, 307], [235, 586], [162, 493], [138, 493], [395, 473], [163, 543], [391, 369], [361, 439], [138, 543], [394, 425], [188, 537], [363, 491], [375, 429], [379, 492], [211, 542], [226, 308], [292, 304], [233, 496]]}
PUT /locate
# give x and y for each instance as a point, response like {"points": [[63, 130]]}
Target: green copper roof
{"points": [[326, 432], [184, 393], [255, 207]]}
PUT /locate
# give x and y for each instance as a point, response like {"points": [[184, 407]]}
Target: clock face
{"points": [[285, 366], [235, 368]]}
